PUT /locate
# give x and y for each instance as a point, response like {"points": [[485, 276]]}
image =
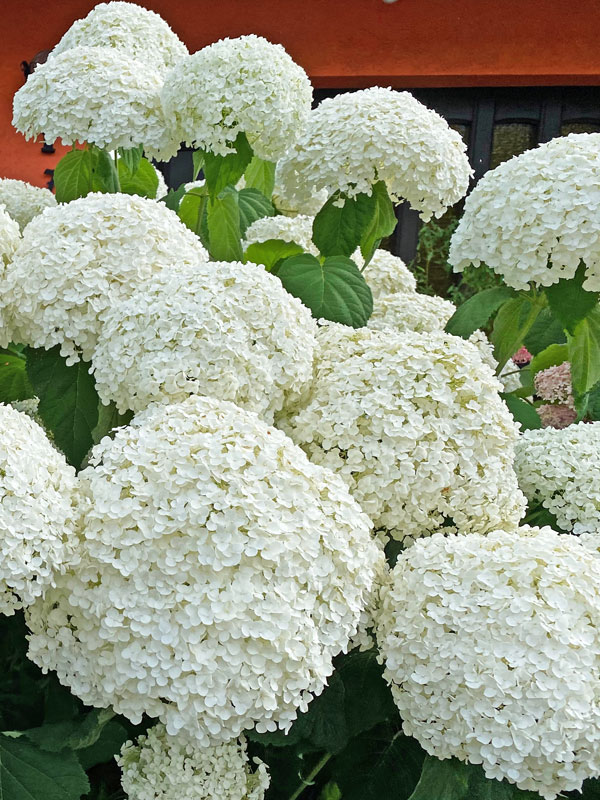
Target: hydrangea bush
{"points": [[272, 527]]}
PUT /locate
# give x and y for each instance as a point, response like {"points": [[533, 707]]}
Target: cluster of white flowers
{"points": [[37, 516], [76, 260], [244, 85], [355, 139], [561, 470], [415, 426], [97, 95], [163, 767], [409, 311], [287, 229], [23, 201], [220, 574], [226, 330], [129, 28], [10, 236], [533, 218], [291, 207], [492, 647], [387, 274]]}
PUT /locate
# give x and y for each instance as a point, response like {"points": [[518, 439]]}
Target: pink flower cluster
{"points": [[554, 384]]}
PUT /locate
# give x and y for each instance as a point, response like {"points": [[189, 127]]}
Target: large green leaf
{"points": [[173, 197], [74, 734], [569, 301], [271, 252], [475, 312], [193, 210], [28, 773], [73, 175], [379, 765], [553, 355], [223, 171], [452, 779], [523, 412], [197, 162], [513, 322], [382, 224], [546, 330], [223, 223], [253, 205], [342, 222], [14, 383], [68, 400], [131, 157], [584, 352], [334, 290], [260, 175], [106, 747], [144, 181], [105, 177], [368, 698]]}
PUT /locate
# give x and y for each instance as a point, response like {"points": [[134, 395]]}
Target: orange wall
{"points": [[341, 43]]}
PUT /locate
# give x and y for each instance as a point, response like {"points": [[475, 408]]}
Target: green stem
{"points": [[311, 776]]}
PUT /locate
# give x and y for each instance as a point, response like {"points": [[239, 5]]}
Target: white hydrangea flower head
{"points": [[97, 95], [560, 468], [238, 85], [77, 259], [140, 33], [292, 206], [163, 767], [226, 330], [220, 573], [23, 201], [415, 426], [409, 311], [358, 138], [288, 229], [37, 510], [10, 236], [533, 218], [387, 274], [492, 647]]}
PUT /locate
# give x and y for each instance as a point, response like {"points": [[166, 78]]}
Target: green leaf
{"points": [[27, 773], [340, 225], [553, 355], [223, 171], [193, 210], [223, 222], [334, 290], [73, 175], [131, 157], [260, 175], [590, 407], [108, 745], [512, 323], [382, 224], [331, 791], [584, 352], [144, 181], [546, 330], [271, 252], [539, 516], [379, 765], [368, 699], [452, 779], [569, 301], [14, 383], [172, 199], [523, 412], [253, 205], [475, 312], [105, 177], [75, 734], [198, 163], [68, 400], [109, 419]]}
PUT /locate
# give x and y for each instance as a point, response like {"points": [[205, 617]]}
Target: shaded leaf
{"points": [[368, 699], [68, 403], [260, 175], [383, 222], [193, 211], [105, 177], [452, 779], [523, 412], [143, 182], [108, 744], [197, 162], [27, 773], [475, 312], [223, 171], [223, 223], [14, 383], [584, 353], [338, 229], [75, 734], [172, 199], [253, 205], [546, 330], [513, 322], [131, 158], [334, 290], [569, 301]]}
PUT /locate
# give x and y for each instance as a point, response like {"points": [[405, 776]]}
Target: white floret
{"points": [[404, 311], [220, 573], [492, 647]]}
